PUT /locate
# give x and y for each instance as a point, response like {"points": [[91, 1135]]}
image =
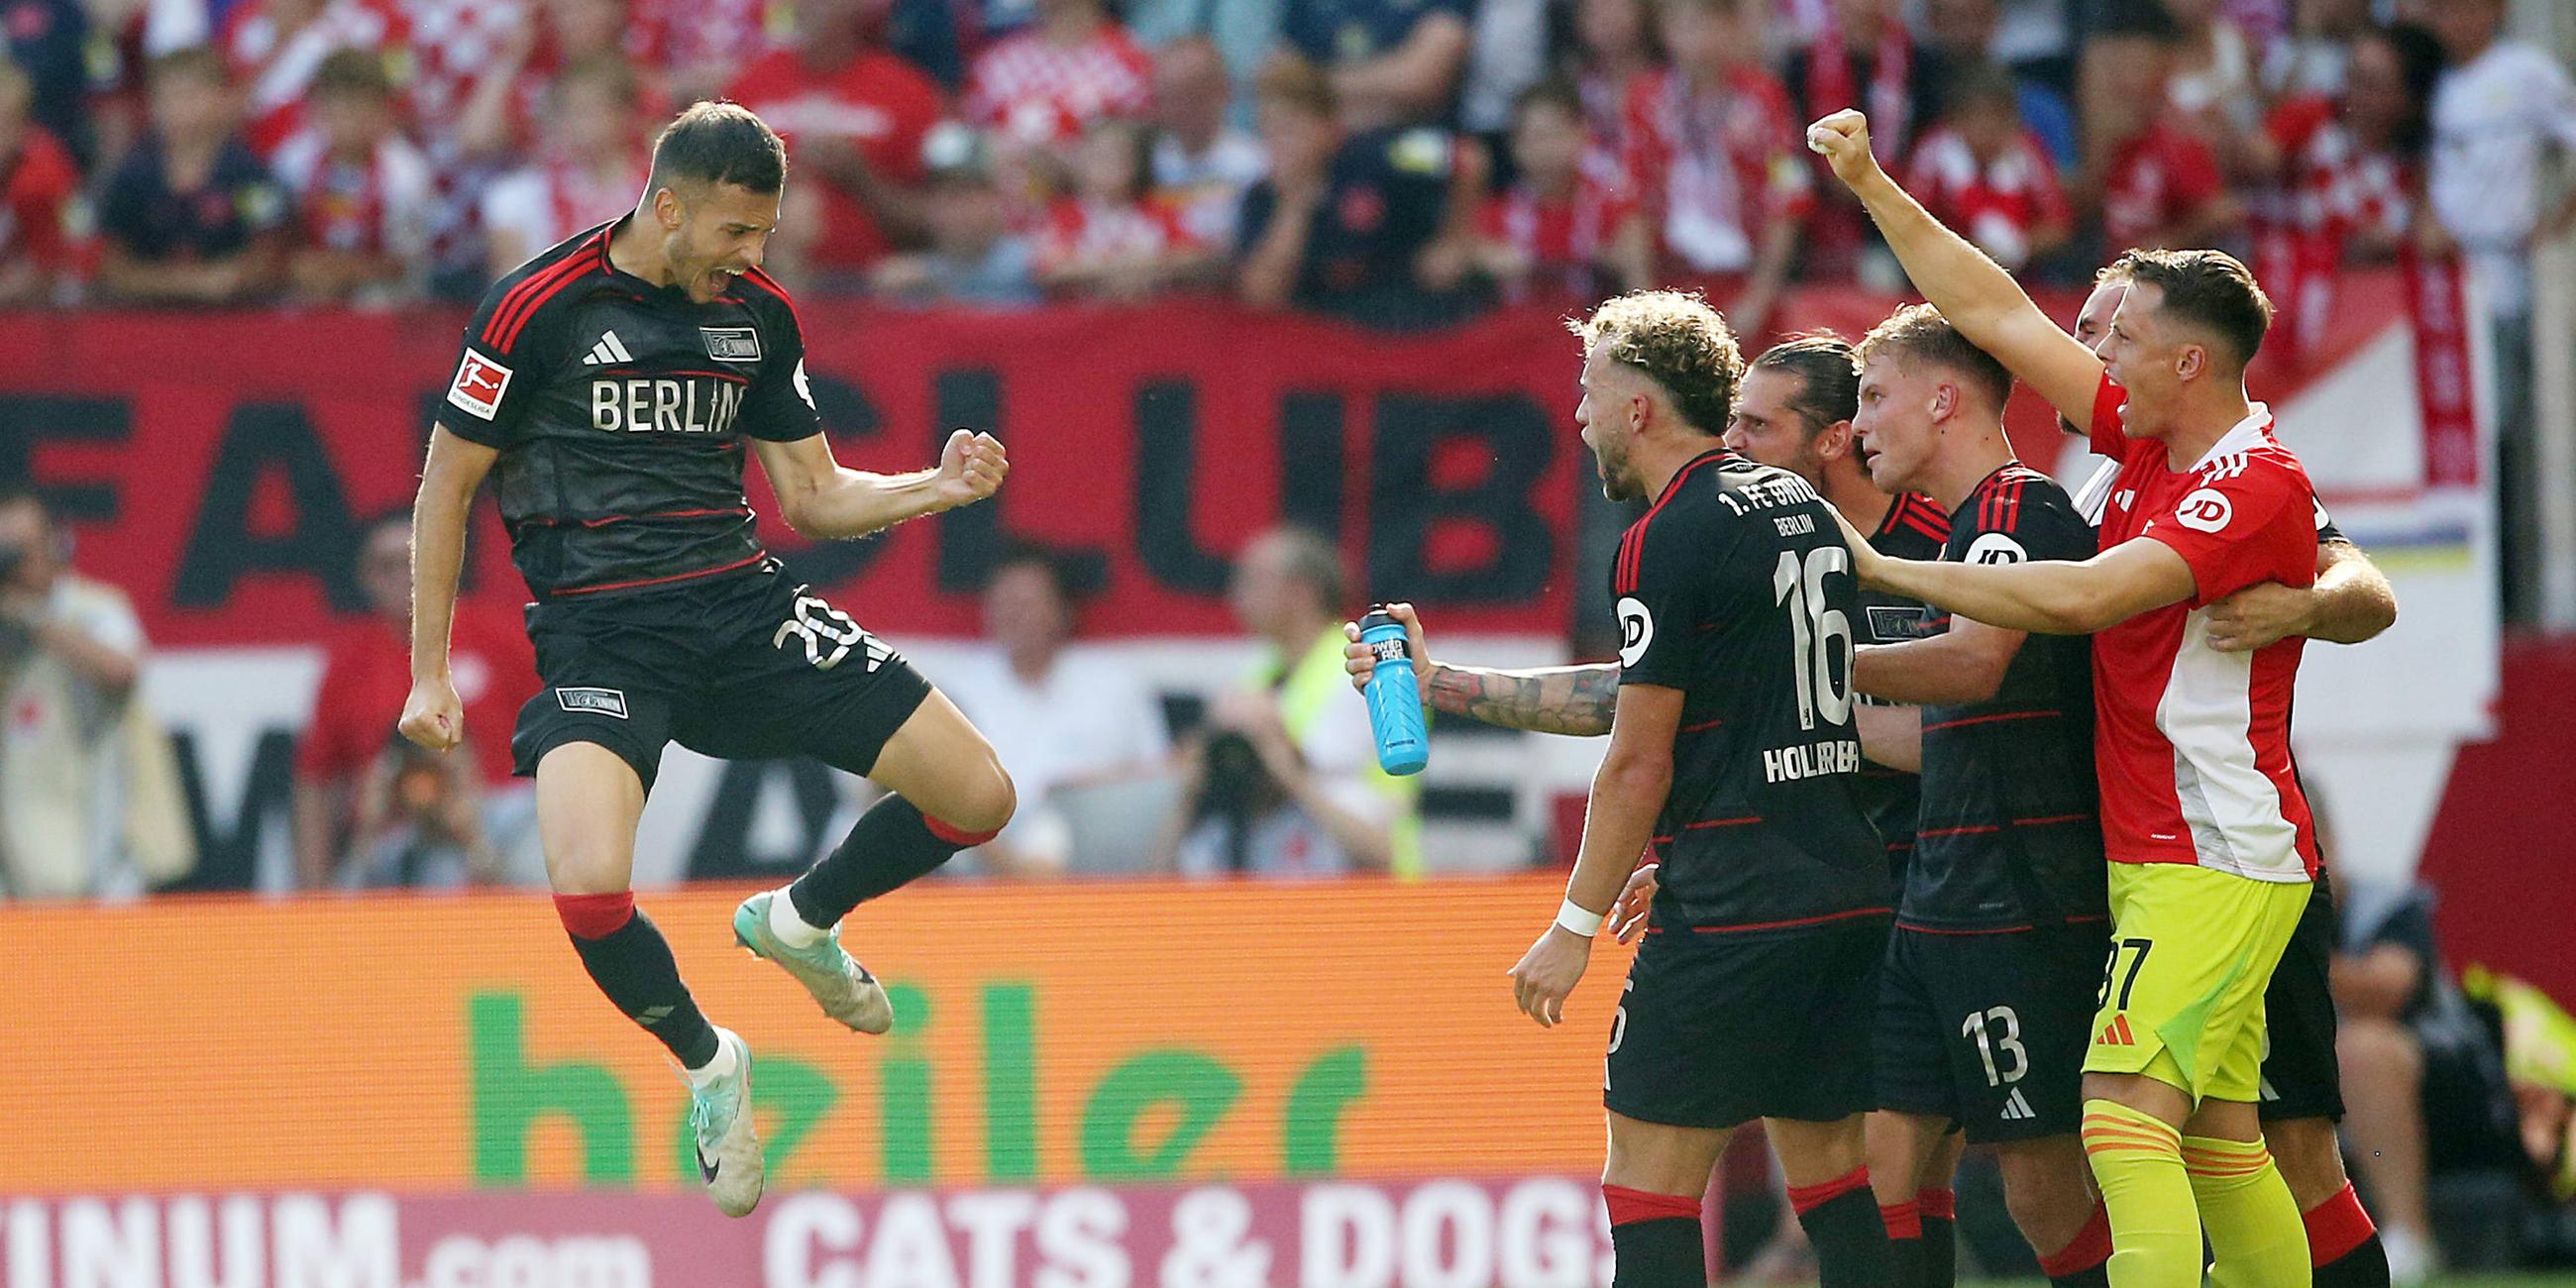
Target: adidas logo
{"points": [[2016, 1108], [2116, 1033], [609, 349]]}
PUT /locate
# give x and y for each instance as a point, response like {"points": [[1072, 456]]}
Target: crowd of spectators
{"points": [[1396, 160]]}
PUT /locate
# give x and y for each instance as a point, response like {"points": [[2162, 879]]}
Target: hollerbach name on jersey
{"points": [[1811, 760], [664, 405]]}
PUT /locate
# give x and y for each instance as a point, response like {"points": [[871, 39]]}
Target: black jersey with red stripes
{"points": [[1736, 589], [2009, 835], [1914, 527], [619, 409]]}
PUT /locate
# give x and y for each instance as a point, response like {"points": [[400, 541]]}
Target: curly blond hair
{"points": [[1679, 342]]}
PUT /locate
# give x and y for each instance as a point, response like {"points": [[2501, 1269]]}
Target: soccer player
{"points": [[609, 386], [1987, 993], [1793, 411], [2211, 841], [1732, 747], [2302, 1080]]}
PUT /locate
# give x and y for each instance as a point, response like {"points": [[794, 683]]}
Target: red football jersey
{"points": [[878, 104], [2193, 744]]}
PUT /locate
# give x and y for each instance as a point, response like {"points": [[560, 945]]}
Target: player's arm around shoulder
{"points": [[2350, 603], [2048, 597], [1972, 291]]}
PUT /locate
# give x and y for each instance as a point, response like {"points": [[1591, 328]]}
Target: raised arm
{"points": [[433, 716], [1974, 293], [819, 498]]}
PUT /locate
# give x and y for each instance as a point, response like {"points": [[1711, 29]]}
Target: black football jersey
{"points": [[619, 409], [1736, 589], [1915, 527], [2009, 834]]}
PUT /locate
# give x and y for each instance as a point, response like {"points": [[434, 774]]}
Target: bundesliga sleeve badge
{"points": [[478, 385]]}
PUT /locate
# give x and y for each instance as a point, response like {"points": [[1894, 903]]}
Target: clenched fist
{"points": [[971, 468], [1842, 139]]}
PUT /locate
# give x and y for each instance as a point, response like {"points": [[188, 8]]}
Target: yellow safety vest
{"points": [[1319, 678]]}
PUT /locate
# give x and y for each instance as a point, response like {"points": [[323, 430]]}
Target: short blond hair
{"points": [[1679, 342], [1918, 333]]}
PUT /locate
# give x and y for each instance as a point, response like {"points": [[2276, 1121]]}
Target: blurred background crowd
{"points": [[1399, 161]]}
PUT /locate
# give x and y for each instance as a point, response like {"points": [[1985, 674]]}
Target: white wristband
{"points": [[1575, 919]]}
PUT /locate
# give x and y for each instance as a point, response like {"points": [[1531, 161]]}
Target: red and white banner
{"points": [[1533, 1232]]}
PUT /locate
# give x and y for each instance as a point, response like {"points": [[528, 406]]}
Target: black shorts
{"points": [[2301, 1077], [1717, 1029], [1989, 1030], [749, 666]]}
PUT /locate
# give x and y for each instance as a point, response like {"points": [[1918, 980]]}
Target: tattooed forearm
{"points": [[1575, 700]]}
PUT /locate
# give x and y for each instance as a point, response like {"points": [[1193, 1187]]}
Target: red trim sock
{"points": [[2088, 1250], [631, 963], [957, 836], [1655, 1239], [2343, 1243], [1903, 1220], [1842, 1223], [595, 916], [1804, 1199]]}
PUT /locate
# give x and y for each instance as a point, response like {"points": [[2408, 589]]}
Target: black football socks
{"points": [[893, 843], [631, 962]]}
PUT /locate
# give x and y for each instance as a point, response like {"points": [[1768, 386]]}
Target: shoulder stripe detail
{"points": [[1633, 558], [762, 279], [522, 305], [513, 302], [1921, 514]]}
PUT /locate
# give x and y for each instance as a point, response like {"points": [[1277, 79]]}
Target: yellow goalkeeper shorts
{"points": [[2192, 950]]}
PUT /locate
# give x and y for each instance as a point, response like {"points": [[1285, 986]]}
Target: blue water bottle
{"points": [[1394, 697]]}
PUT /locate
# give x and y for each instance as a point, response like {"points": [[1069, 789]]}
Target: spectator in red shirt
{"points": [[854, 116], [1561, 229], [363, 194], [592, 158], [1863, 56], [1984, 174], [1715, 155], [1040, 88], [2351, 175], [505, 116], [2155, 184], [1109, 239], [277, 46], [191, 216], [1613, 45], [366, 812], [38, 181]]}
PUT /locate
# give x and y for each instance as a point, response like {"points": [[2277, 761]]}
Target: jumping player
{"points": [[2211, 840], [1987, 995], [1732, 748], [609, 386], [2302, 1080]]}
